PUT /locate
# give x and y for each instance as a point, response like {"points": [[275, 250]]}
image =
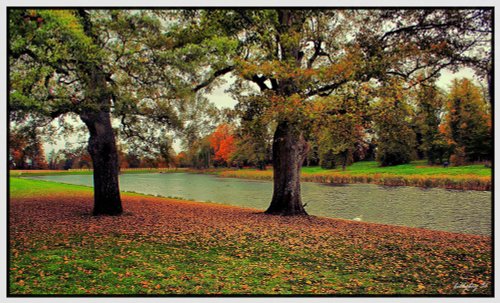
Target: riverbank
{"points": [[470, 177], [168, 246]]}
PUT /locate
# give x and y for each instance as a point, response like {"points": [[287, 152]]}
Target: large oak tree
{"points": [[137, 68], [295, 56]]}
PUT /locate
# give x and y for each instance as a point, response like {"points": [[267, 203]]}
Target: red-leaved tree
{"points": [[223, 143]]}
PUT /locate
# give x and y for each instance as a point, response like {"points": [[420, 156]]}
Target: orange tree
{"points": [[294, 56], [223, 143]]}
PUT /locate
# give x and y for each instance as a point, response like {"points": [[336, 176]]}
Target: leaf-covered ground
{"points": [[165, 246]]}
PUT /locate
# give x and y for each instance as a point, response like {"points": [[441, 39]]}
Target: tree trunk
{"points": [[345, 154], [102, 149], [289, 152], [491, 92]]}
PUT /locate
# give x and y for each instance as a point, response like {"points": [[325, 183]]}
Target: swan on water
{"points": [[360, 218]]}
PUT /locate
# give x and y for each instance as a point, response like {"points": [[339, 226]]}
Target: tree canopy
{"points": [[303, 74], [133, 66], [296, 56]]}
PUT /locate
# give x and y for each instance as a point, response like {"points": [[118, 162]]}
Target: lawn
{"points": [[413, 168], [166, 246]]}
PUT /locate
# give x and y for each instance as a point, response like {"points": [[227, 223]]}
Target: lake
{"points": [[439, 209]]}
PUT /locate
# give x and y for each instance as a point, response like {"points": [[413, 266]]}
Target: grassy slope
{"points": [[165, 246]]}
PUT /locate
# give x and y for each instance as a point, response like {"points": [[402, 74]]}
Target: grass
{"points": [[414, 168], [29, 188], [128, 265], [470, 177], [165, 246], [25, 188]]}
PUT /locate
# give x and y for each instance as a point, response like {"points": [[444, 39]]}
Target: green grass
{"points": [[26, 188], [130, 265], [470, 177], [23, 188], [413, 168], [14, 173]]}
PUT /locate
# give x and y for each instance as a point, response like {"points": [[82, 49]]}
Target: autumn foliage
{"points": [[223, 143], [26, 150], [468, 123]]}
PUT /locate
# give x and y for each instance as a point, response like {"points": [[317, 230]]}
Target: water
{"points": [[439, 209]]}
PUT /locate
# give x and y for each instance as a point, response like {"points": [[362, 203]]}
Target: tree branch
{"points": [[318, 51], [327, 89], [217, 74], [36, 58], [260, 81]]}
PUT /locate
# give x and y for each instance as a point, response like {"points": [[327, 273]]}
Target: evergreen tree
{"points": [[468, 122]]}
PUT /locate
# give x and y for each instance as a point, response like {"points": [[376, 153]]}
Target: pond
{"points": [[439, 209]]}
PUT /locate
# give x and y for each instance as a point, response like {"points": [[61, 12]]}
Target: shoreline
{"points": [[461, 183], [175, 245], [257, 211]]}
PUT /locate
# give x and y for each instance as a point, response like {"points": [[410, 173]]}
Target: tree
{"points": [[17, 145], [395, 136], [26, 149], [340, 124], [429, 110], [70, 158], [53, 158], [468, 122], [222, 143], [294, 56], [133, 160], [254, 135], [181, 159], [201, 153], [103, 64], [251, 151], [57, 67]]}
